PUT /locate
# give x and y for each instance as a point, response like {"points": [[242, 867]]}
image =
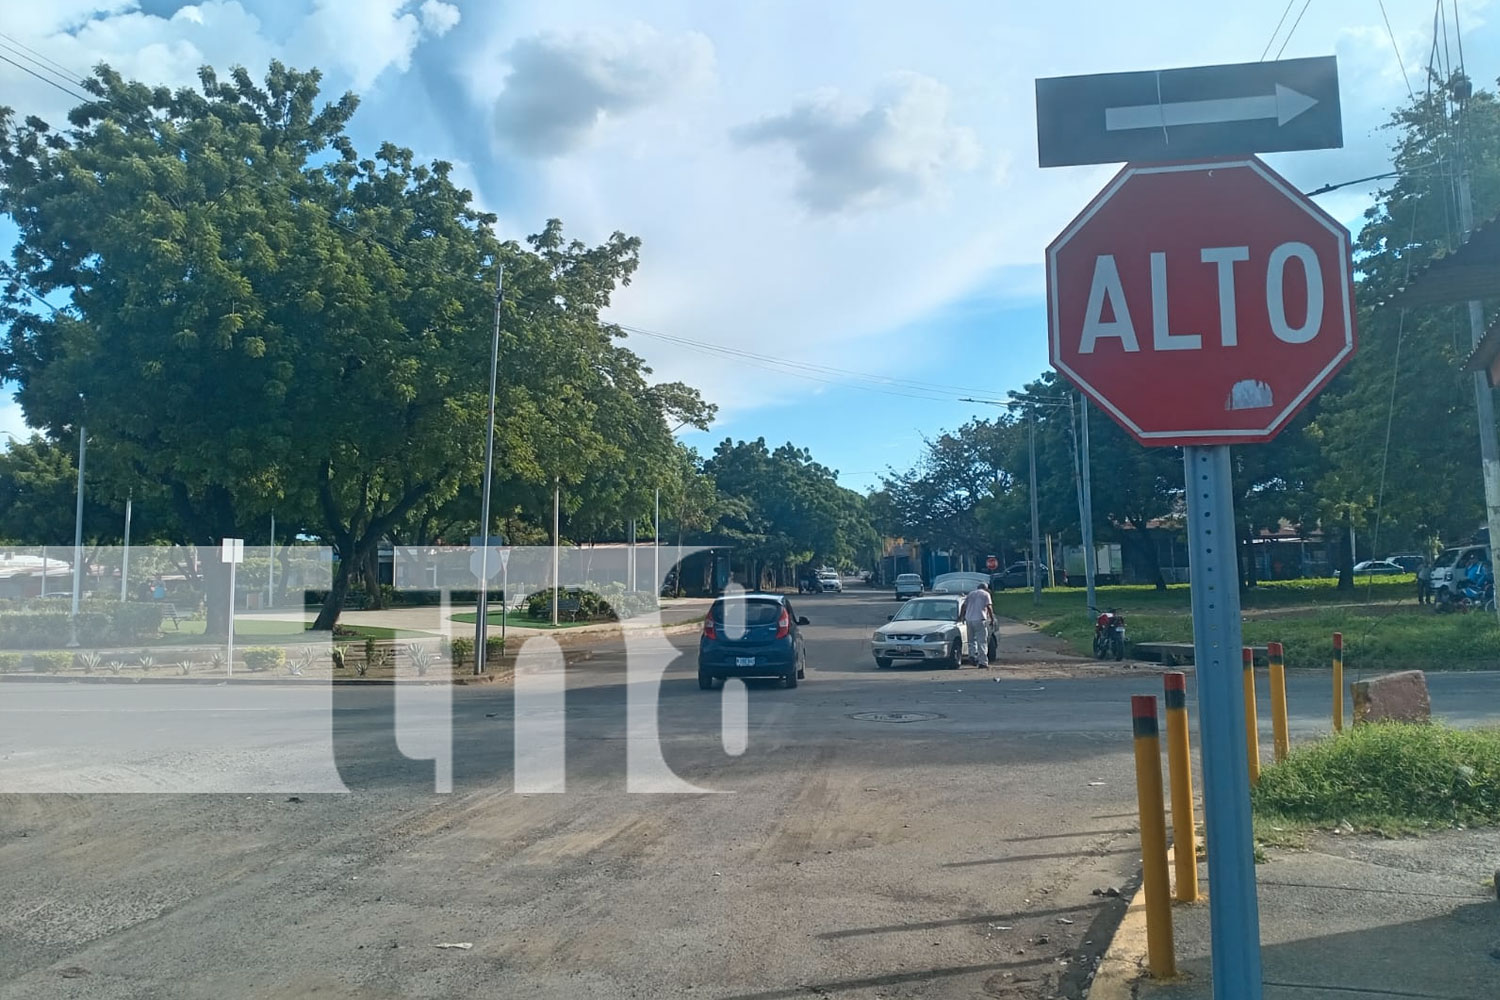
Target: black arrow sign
{"points": [[1185, 114]]}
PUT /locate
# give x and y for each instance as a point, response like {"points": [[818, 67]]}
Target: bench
{"points": [[169, 610], [1174, 653], [569, 606]]}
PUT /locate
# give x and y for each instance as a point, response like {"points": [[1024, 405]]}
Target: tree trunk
{"points": [[370, 566], [1345, 558], [1146, 547], [333, 604]]}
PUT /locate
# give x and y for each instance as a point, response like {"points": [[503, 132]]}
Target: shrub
{"points": [[185, 665], [115, 667], [494, 648], [51, 662], [10, 663], [146, 661], [460, 651], [90, 661], [259, 658], [340, 656], [306, 656], [421, 657], [216, 661], [1389, 775]]}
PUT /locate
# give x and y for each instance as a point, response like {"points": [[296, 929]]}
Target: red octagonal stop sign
{"points": [[1200, 303]]}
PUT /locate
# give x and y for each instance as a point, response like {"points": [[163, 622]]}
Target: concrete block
{"points": [[1400, 697]]}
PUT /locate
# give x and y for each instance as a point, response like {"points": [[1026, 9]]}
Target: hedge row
{"points": [[49, 624]]}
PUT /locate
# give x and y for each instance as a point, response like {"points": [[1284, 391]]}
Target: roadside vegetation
{"points": [[1383, 626], [1389, 777]]}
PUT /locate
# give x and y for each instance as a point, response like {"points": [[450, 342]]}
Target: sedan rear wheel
{"points": [[705, 682], [789, 679], [955, 655]]}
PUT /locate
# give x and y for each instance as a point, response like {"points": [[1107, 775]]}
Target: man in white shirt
{"points": [[978, 614]]}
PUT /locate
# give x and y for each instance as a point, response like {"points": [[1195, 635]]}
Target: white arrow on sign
{"points": [[1284, 105]]}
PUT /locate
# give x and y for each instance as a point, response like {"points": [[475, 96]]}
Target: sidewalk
{"points": [[1357, 917]]}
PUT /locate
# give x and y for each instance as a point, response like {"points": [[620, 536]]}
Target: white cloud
{"points": [[852, 156], [561, 87], [439, 18], [364, 38], [353, 41]]}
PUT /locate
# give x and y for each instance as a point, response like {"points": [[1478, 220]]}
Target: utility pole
{"points": [[656, 545], [1036, 538], [1484, 401], [125, 551], [1090, 554], [482, 620], [556, 536]]}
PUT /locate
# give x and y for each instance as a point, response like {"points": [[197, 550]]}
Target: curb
{"points": [[502, 674], [1123, 963]]}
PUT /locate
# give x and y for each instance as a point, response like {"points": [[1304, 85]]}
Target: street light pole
{"points": [[656, 545], [481, 622], [556, 536], [1484, 402], [78, 538], [125, 551]]}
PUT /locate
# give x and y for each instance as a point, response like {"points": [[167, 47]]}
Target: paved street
{"points": [[952, 856]]}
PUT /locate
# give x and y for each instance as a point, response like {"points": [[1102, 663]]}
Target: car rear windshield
{"points": [[908, 578], [755, 612]]}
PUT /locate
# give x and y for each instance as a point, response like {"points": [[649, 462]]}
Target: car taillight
{"points": [[708, 628], [783, 624]]}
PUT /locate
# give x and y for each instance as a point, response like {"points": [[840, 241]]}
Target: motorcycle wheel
{"points": [[1118, 647]]}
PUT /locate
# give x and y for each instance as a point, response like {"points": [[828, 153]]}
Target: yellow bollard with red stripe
{"points": [[1252, 723], [1180, 773], [1338, 682], [1277, 656], [1160, 954]]}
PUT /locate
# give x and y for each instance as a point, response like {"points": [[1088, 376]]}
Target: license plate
{"points": [[906, 651], [744, 661]]}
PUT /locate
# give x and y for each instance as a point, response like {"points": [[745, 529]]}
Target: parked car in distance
{"points": [[1407, 561], [926, 628], [1375, 567], [1015, 575], [908, 585], [829, 581], [751, 635], [958, 583]]}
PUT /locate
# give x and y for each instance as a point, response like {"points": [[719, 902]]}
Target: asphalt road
{"points": [[841, 854]]}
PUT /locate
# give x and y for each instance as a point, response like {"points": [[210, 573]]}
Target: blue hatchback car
{"points": [[752, 635]]}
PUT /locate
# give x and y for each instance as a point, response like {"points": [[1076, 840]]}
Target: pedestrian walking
{"points": [[1424, 582], [978, 614]]}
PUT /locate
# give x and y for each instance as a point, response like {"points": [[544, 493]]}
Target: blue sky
{"points": [[849, 185]]}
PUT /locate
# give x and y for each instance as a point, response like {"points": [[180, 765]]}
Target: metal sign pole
{"points": [[1234, 912]]}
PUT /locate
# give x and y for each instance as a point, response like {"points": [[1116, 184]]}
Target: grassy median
{"points": [[1383, 626], [1389, 777]]}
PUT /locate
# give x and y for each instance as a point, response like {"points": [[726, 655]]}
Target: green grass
{"points": [[516, 619], [1389, 777], [1389, 631]]}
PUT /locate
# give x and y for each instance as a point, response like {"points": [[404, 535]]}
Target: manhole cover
{"points": [[896, 716]]}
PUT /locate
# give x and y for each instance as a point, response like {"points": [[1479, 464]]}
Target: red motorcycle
{"points": [[1109, 635]]}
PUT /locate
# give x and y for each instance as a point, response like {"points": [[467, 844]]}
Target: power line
{"points": [[1272, 40], [48, 81], [72, 76], [1396, 46], [1293, 29]]}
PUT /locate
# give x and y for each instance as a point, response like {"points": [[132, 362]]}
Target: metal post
{"points": [[125, 552], [1279, 733], [556, 536], [504, 596], [1484, 401], [1160, 954], [656, 545], [1036, 538], [1090, 554], [229, 644], [1234, 912], [630, 558], [1180, 771], [1252, 719], [78, 541], [482, 618], [271, 566], [1338, 682], [45, 567]]}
